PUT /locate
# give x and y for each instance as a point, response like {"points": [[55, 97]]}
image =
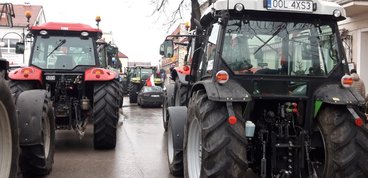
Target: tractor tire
{"points": [[175, 157], [181, 91], [17, 87], [133, 90], [346, 145], [9, 141], [168, 101], [105, 115], [213, 147], [37, 160], [120, 94]]}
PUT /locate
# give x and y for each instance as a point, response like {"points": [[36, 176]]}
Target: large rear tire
{"points": [[213, 147], [37, 160], [175, 157], [345, 145], [9, 141], [17, 87], [180, 93], [105, 115], [120, 94], [133, 90]]}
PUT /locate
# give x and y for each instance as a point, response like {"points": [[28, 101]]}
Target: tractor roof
{"points": [[321, 7], [65, 27]]}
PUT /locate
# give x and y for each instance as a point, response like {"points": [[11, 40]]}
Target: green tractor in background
{"points": [[137, 77], [109, 59]]}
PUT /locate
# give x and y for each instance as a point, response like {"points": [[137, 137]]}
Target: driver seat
{"points": [[64, 62]]}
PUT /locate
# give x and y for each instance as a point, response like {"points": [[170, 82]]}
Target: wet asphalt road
{"points": [[140, 150]]}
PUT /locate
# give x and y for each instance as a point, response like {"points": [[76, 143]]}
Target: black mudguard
{"points": [[338, 95], [178, 119], [30, 108], [229, 91]]}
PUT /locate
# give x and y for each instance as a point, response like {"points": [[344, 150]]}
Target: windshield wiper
{"points": [[60, 44], [273, 35]]}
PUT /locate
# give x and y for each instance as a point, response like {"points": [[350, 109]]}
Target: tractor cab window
{"points": [[206, 65], [279, 48], [62, 52], [101, 50]]}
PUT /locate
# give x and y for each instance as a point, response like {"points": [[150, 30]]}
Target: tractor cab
{"points": [[64, 46], [270, 46]]}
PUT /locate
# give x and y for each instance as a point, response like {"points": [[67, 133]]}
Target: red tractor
{"points": [[64, 61]]}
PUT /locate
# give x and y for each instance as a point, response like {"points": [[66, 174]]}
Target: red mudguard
{"points": [[26, 73], [99, 74]]}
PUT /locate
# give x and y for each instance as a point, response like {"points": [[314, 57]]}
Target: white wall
{"points": [[362, 62]]}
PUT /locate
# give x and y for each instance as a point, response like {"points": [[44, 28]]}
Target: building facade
{"points": [[354, 32], [179, 50], [10, 36]]}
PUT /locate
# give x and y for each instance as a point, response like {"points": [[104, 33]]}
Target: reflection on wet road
{"points": [[140, 150]]}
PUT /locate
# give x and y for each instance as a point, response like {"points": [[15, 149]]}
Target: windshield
{"points": [[146, 73], [60, 52], [279, 48], [152, 89]]}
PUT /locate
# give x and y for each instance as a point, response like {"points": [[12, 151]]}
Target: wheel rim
{"points": [[170, 146], [318, 154], [5, 142], [46, 134], [194, 153]]}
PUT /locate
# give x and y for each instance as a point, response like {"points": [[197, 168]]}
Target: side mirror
{"points": [[167, 48], [19, 48], [162, 49]]}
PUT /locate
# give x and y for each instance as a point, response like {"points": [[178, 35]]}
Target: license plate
{"points": [[290, 5], [155, 96], [50, 77]]}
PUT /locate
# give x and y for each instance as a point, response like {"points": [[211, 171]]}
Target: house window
{"points": [[9, 45]]}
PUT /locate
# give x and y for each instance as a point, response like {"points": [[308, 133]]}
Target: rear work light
{"points": [[98, 72], [84, 34], [43, 32], [346, 81], [222, 77], [186, 68], [26, 71]]}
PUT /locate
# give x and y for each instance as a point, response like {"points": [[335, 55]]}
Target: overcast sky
{"points": [[135, 31]]}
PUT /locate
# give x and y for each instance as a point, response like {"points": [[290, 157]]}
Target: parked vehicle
{"points": [[269, 93], [150, 96], [64, 61], [137, 77]]}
